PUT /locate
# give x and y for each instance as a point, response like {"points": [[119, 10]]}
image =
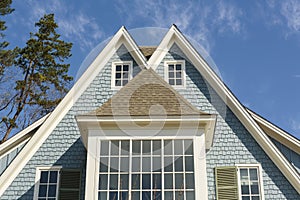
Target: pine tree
{"points": [[44, 73]]}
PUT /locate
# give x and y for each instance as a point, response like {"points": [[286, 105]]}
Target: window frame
{"points": [[113, 73], [183, 72], [39, 169], [259, 176]]}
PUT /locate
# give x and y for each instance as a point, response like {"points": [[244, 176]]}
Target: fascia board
{"points": [[21, 136], [60, 111], [277, 133], [272, 151]]}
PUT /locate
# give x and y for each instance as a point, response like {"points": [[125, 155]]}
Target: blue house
{"points": [[150, 122]]}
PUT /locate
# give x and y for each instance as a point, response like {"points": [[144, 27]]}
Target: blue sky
{"points": [[254, 44]]}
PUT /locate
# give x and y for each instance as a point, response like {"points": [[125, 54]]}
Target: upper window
{"points": [[48, 182], [249, 183], [175, 73], [121, 74]]}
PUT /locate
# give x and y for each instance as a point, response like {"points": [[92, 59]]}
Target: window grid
{"points": [[142, 175], [250, 183], [175, 73], [122, 74], [48, 184]]}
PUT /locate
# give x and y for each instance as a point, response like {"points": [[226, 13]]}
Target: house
{"points": [[150, 123]]}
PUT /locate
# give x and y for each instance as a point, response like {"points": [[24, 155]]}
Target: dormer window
{"points": [[121, 74], [175, 73]]}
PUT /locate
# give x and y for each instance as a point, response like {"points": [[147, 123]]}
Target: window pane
{"points": [[168, 181], [118, 82], [244, 174], [113, 195], [146, 195], [156, 147], [253, 174], [254, 188], [168, 147], [171, 82], [168, 163], [103, 164], [42, 190], [245, 198], [124, 195], [52, 191], [178, 82], [156, 181], [125, 147], [125, 67], [135, 195], [124, 82], [245, 189], [178, 66], [146, 146], [156, 195], [104, 148], [118, 76], [179, 195], [124, 181], [103, 182], [118, 67], [189, 181], [179, 164], [114, 147], [179, 181], [102, 195], [178, 75], [114, 164], [135, 181], [53, 177], [178, 147], [136, 147], [156, 164], [44, 177], [136, 167], [189, 163], [168, 195], [171, 74], [113, 184], [146, 164], [171, 67], [255, 198], [146, 181], [124, 164], [190, 195], [188, 147]]}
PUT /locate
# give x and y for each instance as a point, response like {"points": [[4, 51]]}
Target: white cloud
{"points": [[193, 18], [291, 12], [74, 25], [297, 76]]}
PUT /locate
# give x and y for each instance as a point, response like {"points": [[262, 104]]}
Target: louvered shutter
{"points": [[69, 184], [226, 183]]}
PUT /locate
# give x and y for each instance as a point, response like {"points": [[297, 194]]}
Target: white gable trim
{"points": [[121, 37], [277, 133], [174, 35]]}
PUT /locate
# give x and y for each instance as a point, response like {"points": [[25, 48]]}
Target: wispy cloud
{"points": [[290, 10], [74, 25], [194, 18], [297, 76]]}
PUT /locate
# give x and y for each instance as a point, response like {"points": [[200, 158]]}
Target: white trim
{"points": [[260, 181], [183, 75], [113, 73], [121, 37], [38, 171], [174, 35], [277, 133]]}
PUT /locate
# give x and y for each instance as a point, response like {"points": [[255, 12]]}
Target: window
{"points": [[175, 73], [243, 182], [57, 183], [121, 74], [146, 169], [47, 179]]}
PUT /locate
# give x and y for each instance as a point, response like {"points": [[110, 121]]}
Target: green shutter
{"points": [[226, 183], [69, 184]]}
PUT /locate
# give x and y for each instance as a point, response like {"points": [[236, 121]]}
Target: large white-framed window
{"points": [[175, 73], [250, 182], [47, 183], [121, 73]]}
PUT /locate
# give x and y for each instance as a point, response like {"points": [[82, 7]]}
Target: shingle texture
{"points": [[147, 94], [147, 51]]}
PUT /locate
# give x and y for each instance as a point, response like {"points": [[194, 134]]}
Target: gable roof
{"points": [[143, 94], [175, 36], [122, 37]]}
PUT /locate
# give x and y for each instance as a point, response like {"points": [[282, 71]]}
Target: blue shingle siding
{"points": [[233, 144], [63, 147]]}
